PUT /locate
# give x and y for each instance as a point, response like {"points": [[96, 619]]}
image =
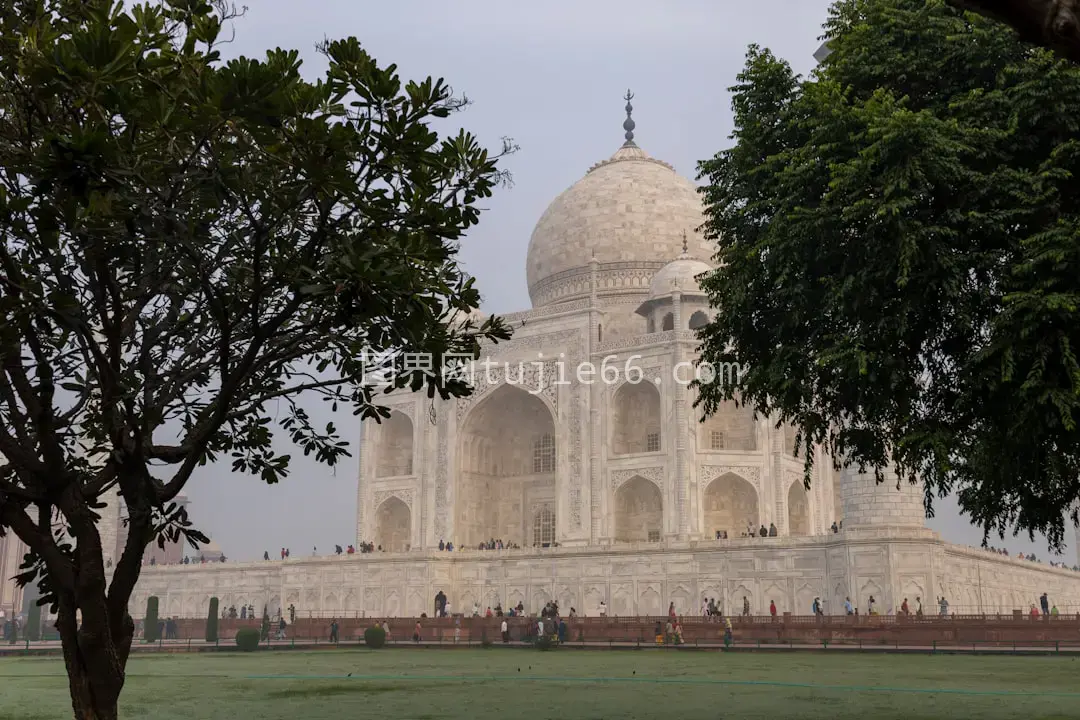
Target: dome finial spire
{"points": [[628, 124]]}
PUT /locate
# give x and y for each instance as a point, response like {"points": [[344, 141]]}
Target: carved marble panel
{"points": [[750, 473], [654, 475], [405, 495]]}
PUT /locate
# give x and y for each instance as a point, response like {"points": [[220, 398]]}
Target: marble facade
{"points": [[608, 482]]}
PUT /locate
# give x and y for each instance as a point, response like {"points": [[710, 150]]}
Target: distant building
{"points": [[210, 551], [12, 551], [173, 552], [822, 52]]}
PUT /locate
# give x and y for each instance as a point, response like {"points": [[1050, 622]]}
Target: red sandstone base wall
{"points": [[903, 631]]}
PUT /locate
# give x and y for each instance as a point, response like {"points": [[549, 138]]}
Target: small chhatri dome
{"points": [[680, 274], [628, 212]]}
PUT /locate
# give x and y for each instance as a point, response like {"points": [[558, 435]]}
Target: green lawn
{"points": [[407, 684]]}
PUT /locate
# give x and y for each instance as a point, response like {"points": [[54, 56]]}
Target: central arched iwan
{"points": [[507, 461]]}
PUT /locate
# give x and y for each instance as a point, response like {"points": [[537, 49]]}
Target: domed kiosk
{"points": [[579, 470]]}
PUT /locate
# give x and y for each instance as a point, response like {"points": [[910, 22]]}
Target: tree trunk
{"points": [[95, 656], [1054, 24]]}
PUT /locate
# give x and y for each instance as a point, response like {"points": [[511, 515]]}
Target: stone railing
{"points": [[647, 340]]}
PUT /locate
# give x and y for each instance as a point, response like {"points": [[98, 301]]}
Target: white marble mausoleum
{"points": [[610, 487]]}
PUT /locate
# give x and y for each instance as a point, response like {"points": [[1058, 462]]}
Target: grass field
{"points": [[566, 684]]}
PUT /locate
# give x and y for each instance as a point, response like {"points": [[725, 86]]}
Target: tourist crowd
{"points": [[1029, 557]]}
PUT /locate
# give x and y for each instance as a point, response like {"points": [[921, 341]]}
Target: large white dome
{"points": [[630, 212]]}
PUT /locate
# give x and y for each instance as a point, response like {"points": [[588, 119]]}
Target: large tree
{"points": [[900, 253], [186, 240]]}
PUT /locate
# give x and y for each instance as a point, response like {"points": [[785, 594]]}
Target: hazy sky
{"points": [[551, 75]]}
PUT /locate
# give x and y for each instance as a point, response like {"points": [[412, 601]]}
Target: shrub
{"points": [[33, 623], [150, 624], [484, 640], [265, 624], [545, 642], [375, 637], [212, 621], [247, 639]]}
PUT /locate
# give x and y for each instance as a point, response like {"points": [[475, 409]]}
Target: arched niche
{"points": [[636, 419], [639, 511], [731, 506], [698, 320], [731, 427], [393, 525], [668, 323], [798, 507], [394, 447], [507, 462]]}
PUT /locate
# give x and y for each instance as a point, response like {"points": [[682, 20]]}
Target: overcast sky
{"points": [[551, 75]]}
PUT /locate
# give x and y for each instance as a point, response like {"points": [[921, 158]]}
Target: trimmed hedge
{"points": [[375, 637], [33, 623], [545, 642], [212, 621], [247, 639], [150, 624]]}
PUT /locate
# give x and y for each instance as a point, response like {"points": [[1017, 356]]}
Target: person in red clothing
{"points": [[772, 608], [671, 610]]}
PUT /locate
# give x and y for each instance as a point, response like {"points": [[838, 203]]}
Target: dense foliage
{"points": [[901, 265], [247, 639], [212, 621], [188, 242], [374, 637]]}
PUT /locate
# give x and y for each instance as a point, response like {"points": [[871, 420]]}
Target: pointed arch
{"points": [[639, 511], [499, 491], [798, 507], [731, 506], [394, 446], [636, 419], [698, 320], [668, 322], [393, 525]]}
